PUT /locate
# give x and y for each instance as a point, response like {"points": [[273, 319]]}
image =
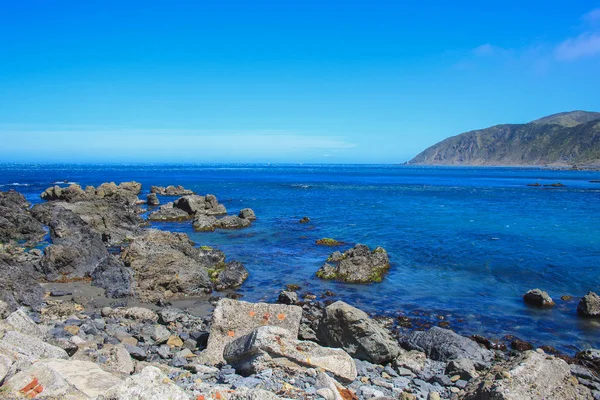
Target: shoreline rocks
{"points": [[187, 207], [356, 265], [170, 190]]}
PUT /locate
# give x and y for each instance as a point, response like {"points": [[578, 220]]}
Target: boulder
{"points": [[233, 319], [532, 376], [267, 346], [351, 329], [76, 250], [125, 192], [187, 207], [30, 347], [286, 297], [19, 283], [58, 379], [111, 358], [247, 213], [167, 264], [231, 276], [152, 199], [356, 265], [149, 384], [205, 223], [589, 306], [170, 190], [21, 322], [590, 358], [167, 212], [16, 222], [538, 298], [232, 222], [115, 278], [444, 345]]}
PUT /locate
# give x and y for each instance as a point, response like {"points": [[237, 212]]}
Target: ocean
{"points": [[465, 243]]}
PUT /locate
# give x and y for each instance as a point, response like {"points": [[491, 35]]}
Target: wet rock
{"points": [[16, 222], [538, 298], [75, 251], [170, 190], [589, 306], [328, 242], [286, 297], [530, 376], [57, 379], [231, 276], [167, 264], [357, 265], [150, 383], [521, 345], [444, 345], [152, 199], [115, 278], [304, 220], [351, 329], [247, 213], [233, 319]]}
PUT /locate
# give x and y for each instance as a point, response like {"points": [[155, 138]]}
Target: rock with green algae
{"points": [[356, 265], [329, 242]]}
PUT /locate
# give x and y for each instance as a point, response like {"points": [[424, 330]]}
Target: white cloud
{"points": [[583, 46], [489, 50], [592, 18]]}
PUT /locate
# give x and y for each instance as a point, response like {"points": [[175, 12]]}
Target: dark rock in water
{"points": [[351, 329], [356, 265], [170, 190], [76, 250], [304, 220], [247, 213], [167, 264], [16, 222], [589, 306], [538, 298], [19, 283], [115, 278], [521, 345], [444, 345], [231, 276], [187, 207], [152, 199], [290, 298]]}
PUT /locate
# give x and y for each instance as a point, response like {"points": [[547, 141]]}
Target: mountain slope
{"points": [[559, 139]]}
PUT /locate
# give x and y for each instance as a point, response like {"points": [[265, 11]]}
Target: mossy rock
{"points": [[329, 242]]}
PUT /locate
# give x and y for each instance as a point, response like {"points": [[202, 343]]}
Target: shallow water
{"points": [[465, 243]]}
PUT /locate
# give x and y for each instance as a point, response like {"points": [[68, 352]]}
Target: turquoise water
{"points": [[465, 243]]}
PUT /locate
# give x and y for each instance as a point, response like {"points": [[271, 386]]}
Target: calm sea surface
{"points": [[465, 243]]}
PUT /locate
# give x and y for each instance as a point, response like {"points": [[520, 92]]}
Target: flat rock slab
{"points": [[274, 342], [23, 324], [31, 347], [57, 379], [149, 384], [233, 319]]}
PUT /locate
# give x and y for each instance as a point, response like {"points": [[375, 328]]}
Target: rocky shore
{"points": [[58, 344]]}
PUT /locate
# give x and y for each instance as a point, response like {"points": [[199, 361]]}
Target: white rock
{"points": [[22, 323], [30, 346], [150, 384]]}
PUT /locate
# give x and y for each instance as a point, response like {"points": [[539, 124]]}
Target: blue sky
{"points": [[282, 81]]}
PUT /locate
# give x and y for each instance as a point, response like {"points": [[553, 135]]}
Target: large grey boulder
{"points": [[21, 322], [19, 283], [233, 319], [61, 379], [166, 264], [187, 207], [589, 306], [16, 222], [444, 345], [532, 376], [356, 265], [266, 346], [351, 329], [152, 199], [231, 276], [30, 347], [149, 384]]}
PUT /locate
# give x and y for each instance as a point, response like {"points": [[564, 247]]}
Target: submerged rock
{"points": [[233, 319], [538, 298], [445, 345], [532, 376], [589, 306], [351, 329], [356, 265], [265, 347]]}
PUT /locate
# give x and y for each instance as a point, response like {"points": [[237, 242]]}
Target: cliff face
{"points": [[559, 139]]}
